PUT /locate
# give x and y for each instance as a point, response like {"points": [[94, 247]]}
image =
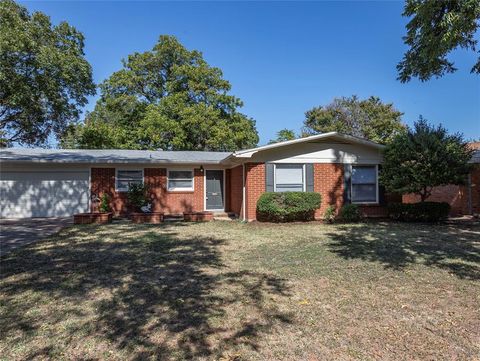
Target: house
{"points": [[58, 182], [463, 199]]}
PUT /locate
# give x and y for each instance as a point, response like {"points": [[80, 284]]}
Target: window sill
{"points": [[367, 203], [180, 190]]}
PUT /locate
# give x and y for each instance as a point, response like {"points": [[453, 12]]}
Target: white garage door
{"points": [[43, 193]]}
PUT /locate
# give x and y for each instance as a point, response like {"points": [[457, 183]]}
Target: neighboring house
{"points": [[464, 199], [46, 183]]}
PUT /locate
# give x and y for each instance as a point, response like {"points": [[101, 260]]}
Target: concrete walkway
{"points": [[16, 233]]}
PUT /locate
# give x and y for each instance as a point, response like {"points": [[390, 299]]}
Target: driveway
{"points": [[16, 233]]}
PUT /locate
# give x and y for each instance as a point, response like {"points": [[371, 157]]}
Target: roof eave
{"points": [[248, 153]]}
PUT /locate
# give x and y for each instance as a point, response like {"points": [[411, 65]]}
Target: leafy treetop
{"points": [[283, 135], [44, 76], [436, 28], [370, 119], [423, 158], [167, 98]]}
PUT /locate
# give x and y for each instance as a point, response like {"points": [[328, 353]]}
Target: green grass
{"points": [[233, 291]]}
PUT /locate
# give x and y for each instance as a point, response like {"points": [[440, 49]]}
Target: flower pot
{"points": [[97, 217], [152, 217]]}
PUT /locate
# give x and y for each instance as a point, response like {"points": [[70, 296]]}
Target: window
{"points": [[364, 184], [289, 178], [126, 177], [180, 180]]}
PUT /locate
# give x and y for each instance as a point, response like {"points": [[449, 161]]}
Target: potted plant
{"points": [[137, 196], [104, 214]]}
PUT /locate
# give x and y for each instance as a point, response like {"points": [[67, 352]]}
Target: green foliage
{"points": [[104, 206], [329, 215], [137, 195], [288, 206], [419, 212], [167, 98], [370, 119], [435, 29], [350, 213], [44, 76], [423, 158], [283, 135]]}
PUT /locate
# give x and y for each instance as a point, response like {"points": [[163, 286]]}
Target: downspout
{"points": [[243, 192], [469, 187]]}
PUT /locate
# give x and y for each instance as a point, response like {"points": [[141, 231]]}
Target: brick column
{"points": [[329, 182], [254, 187]]}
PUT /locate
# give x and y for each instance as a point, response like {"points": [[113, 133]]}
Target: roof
{"points": [[41, 155], [110, 156], [476, 157], [474, 145], [333, 135]]}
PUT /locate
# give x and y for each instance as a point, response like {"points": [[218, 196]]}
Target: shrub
{"points": [[104, 206], [350, 213], [329, 215], [419, 212], [288, 206], [137, 195]]}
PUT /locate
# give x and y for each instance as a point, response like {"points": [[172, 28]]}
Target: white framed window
{"points": [[364, 184], [289, 178], [125, 177], [180, 180]]}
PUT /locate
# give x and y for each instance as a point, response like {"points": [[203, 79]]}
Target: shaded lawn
{"points": [[232, 291]]}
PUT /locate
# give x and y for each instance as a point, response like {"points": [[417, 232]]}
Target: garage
{"points": [[39, 192]]}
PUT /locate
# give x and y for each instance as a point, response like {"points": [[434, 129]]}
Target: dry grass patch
{"points": [[232, 291]]}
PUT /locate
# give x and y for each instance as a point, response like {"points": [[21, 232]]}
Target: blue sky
{"points": [[282, 58]]}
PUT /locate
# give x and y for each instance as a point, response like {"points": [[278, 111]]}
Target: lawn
{"points": [[233, 291]]}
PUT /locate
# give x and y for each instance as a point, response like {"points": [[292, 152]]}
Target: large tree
{"points": [[44, 77], [167, 98], [423, 158], [436, 28], [369, 118]]}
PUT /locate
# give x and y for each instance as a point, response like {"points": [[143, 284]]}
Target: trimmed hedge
{"points": [[419, 212], [350, 213], [288, 206]]}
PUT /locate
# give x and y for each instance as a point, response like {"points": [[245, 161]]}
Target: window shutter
{"points": [[381, 189], [347, 175], [269, 169], [309, 176]]}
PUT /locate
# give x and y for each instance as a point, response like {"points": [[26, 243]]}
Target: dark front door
{"points": [[214, 189]]}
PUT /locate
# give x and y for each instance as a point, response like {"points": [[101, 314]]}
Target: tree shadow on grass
{"points": [[454, 247], [164, 291]]}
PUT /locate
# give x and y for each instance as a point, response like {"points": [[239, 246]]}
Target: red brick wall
{"points": [[236, 190], [103, 181], [179, 202], [254, 187], [456, 196], [329, 182], [475, 182]]}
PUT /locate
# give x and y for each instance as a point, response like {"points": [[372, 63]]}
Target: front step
{"points": [[224, 216], [173, 218]]}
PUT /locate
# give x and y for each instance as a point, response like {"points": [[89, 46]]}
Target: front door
{"points": [[214, 189]]}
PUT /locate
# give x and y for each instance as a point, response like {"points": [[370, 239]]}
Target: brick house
{"points": [[48, 183]]}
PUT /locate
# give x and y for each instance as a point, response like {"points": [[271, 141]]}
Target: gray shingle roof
{"points": [[109, 156]]}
